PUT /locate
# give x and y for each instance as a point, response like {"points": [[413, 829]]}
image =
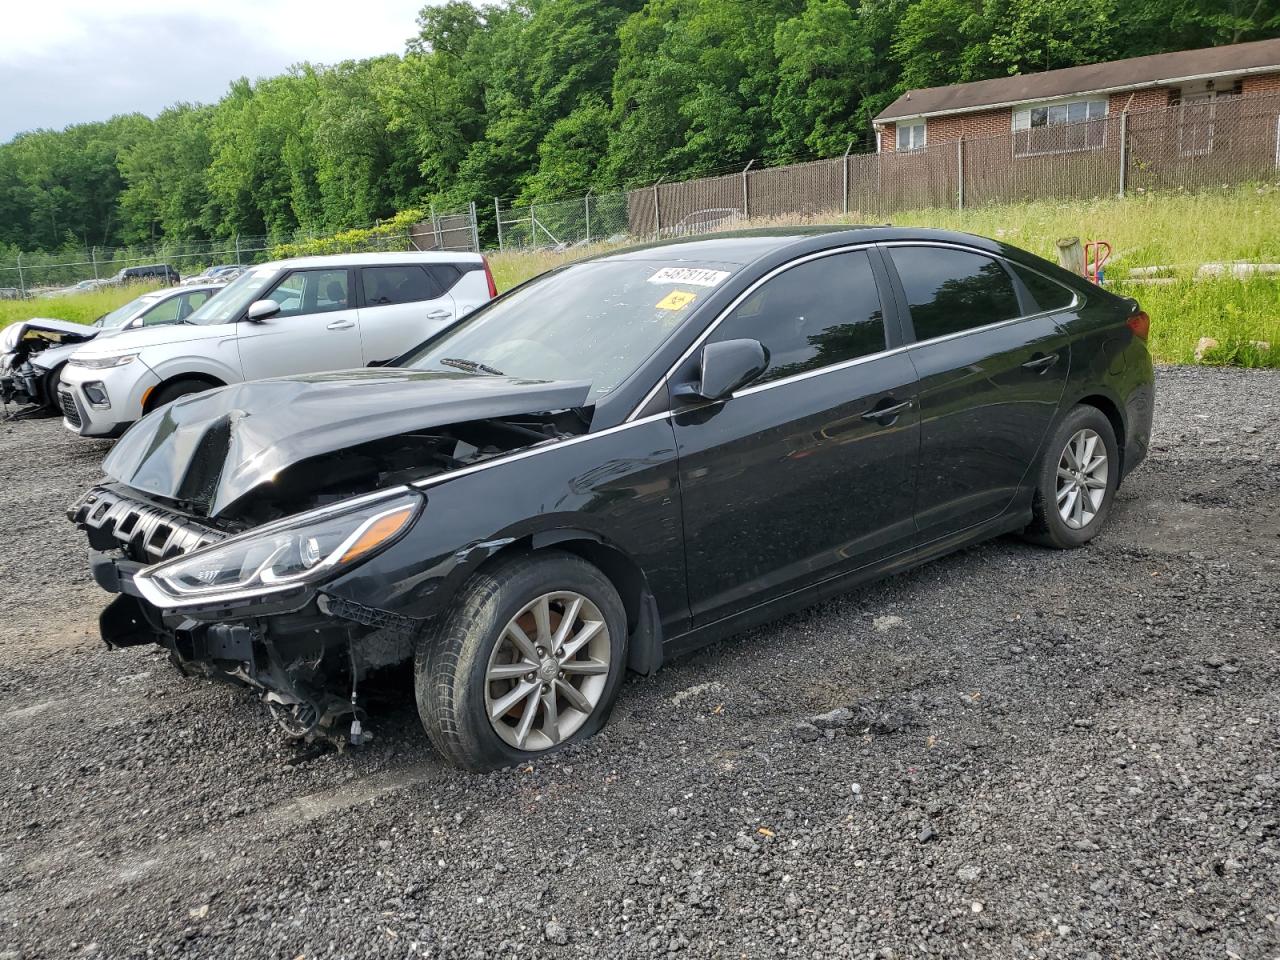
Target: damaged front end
{"points": [[220, 531], [30, 351]]}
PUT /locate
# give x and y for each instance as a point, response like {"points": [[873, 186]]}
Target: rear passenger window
{"points": [[406, 284], [822, 312], [949, 291], [1048, 294]]}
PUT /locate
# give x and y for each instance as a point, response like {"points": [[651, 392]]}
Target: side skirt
{"points": [[808, 596]]}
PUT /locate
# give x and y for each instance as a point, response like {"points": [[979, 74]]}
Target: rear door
{"points": [[316, 328], [403, 304], [808, 472], [992, 369]]}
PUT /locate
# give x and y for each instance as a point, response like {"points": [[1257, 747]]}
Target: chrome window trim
{"points": [[819, 371], [733, 305]]}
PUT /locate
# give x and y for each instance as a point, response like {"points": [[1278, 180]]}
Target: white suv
{"points": [[292, 316]]}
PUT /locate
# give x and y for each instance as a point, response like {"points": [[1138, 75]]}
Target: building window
{"points": [[910, 136], [1060, 127]]}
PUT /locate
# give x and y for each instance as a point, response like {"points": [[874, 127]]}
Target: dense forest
{"points": [[539, 99]]}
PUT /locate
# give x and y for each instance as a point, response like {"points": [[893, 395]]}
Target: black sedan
{"points": [[613, 463]]}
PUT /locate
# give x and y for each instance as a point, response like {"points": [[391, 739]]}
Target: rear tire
{"points": [[1077, 480], [173, 391], [499, 683]]}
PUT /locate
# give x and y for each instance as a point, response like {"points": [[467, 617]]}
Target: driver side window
{"points": [[311, 291], [816, 314]]}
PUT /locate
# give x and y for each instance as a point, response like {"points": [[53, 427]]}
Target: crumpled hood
{"points": [[213, 448], [59, 331]]}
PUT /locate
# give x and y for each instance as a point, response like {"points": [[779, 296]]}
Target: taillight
{"points": [[1140, 324], [493, 287]]}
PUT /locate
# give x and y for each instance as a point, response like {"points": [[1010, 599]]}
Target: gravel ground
{"points": [[1009, 752]]}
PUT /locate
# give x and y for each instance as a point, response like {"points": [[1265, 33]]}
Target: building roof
{"points": [[1116, 75]]}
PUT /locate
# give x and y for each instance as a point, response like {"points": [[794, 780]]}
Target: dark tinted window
{"points": [[819, 313], [953, 290], [1048, 294], [403, 284]]}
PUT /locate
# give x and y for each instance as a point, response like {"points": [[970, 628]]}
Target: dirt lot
{"points": [[1043, 754]]}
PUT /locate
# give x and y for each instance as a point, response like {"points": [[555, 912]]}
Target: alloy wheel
{"points": [[1082, 478], [548, 671]]}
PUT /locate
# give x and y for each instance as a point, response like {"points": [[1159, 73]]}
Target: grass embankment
{"points": [[79, 307], [1178, 231]]}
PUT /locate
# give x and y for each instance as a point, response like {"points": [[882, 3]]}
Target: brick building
{"points": [[1067, 110]]}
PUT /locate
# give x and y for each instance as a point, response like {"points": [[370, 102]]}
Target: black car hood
{"points": [[213, 448]]}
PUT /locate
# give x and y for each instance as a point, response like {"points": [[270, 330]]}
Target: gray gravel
{"points": [[1009, 752]]}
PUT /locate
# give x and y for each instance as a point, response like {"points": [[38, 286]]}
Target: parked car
{"points": [[223, 273], [147, 272], [34, 352], [288, 317], [611, 464]]}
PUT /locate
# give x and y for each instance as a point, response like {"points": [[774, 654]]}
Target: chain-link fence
{"points": [[455, 230], [1195, 145], [42, 274], [1225, 141], [557, 225]]}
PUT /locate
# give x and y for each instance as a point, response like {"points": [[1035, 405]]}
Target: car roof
{"points": [[371, 259], [744, 246]]}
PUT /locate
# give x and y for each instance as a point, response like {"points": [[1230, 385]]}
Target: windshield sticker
{"points": [[677, 300], [695, 275]]}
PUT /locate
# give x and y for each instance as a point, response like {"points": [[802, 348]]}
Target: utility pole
{"points": [[497, 216]]}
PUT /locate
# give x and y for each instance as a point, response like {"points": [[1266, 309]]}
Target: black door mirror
{"points": [[726, 366]]}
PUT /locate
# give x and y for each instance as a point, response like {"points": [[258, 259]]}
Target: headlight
{"points": [[102, 363], [280, 556]]}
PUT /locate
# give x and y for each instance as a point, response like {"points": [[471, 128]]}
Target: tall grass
{"points": [[1179, 231], [78, 307], [1175, 230]]}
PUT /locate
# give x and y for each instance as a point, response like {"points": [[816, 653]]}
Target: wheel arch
{"points": [[1112, 411], [644, 649], [207, 378]]}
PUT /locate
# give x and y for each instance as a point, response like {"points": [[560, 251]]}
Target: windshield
{"points": [[231, 301], [596, 321], [121, 315]]}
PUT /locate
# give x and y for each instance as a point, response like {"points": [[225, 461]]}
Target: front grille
{"points": [[147, 533], [69, 408]]}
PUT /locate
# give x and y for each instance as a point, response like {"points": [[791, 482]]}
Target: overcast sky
{"points": [[67, 61]]}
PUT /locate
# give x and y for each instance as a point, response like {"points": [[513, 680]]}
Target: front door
{"points": [[316, 329], [809, 471], [991, 377]]}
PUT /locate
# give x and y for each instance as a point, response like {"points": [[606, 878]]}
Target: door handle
{"points": [[886, 415], [1041, 363], [439, 315], [341, 325]]}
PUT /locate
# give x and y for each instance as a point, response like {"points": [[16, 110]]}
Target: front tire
{"points": [[51, 381], [1077, 481], [529, 659], [173, 391]]}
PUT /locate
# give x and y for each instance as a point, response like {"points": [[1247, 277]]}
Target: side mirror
{"points": [[726, 366], [261, 310]]}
